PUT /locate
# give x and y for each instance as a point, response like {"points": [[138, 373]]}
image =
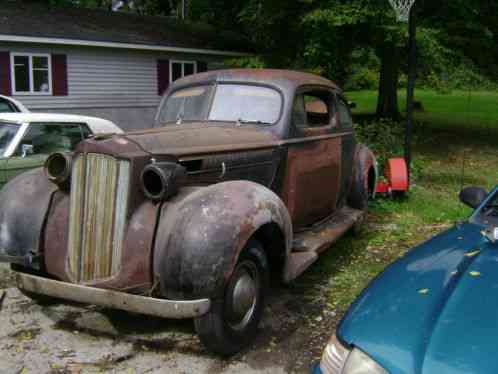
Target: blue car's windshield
{"points": [[7, 132], [245, 104]]}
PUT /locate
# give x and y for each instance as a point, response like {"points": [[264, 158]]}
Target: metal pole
{"points": [[412, 73], [183, 9]]}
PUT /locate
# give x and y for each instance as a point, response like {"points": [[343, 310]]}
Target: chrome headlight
{"points": [[58, 168], [338, 359]]}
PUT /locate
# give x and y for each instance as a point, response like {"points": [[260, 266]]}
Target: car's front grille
{"points": [[98, 206]]}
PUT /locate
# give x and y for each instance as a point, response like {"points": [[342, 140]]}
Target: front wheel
{"points": [[232, 322]]}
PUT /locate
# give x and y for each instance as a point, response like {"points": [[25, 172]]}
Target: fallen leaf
{"points": [[423, 291], [472, 254], [475, 273]]}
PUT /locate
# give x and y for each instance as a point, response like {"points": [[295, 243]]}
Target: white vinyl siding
{"points": [[104, 80], [116, 84]]}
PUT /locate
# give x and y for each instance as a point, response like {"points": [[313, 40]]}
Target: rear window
{"points": [[47, 138]]}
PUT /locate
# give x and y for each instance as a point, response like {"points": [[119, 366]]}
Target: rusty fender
{"points": [[200, 236], [24, 203], [364, 175]]}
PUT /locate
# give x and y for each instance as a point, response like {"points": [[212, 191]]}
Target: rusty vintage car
{"points": [[249, 173]]}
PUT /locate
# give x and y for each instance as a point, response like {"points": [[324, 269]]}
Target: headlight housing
{"points": [[338, 359], [58, 168], [161, 180]]}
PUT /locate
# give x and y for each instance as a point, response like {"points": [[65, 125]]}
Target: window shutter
{"points": [[59, 75], [5, 79], [202, 66], [162, 76]]}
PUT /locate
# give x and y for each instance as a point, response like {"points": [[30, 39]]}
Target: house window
{"points": [[180, 69], [31, 74]]}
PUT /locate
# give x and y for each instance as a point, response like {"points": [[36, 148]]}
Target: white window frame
{"points": [[31, 80], [182, 62]]}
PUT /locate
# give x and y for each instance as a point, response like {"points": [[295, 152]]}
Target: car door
{"points": [[314, 154], [348, 145], [41, 140]]}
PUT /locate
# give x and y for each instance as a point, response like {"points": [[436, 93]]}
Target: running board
{"points": [[307, 245]]}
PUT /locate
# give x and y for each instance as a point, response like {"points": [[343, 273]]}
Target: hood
{"points": [[195, 138], [433, 311]]}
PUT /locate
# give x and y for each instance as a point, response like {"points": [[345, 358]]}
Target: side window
{"points": [[344, 113], [85, 131], [299, 112], [314, 109], [6, 107], [49, 138]]}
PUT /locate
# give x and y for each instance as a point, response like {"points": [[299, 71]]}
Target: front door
{"points": [[314, 155]]}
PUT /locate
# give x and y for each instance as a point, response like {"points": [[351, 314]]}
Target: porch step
{"points": [[307, 245]]}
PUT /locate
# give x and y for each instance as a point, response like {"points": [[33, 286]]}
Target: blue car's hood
{"points": [[433, 311]]}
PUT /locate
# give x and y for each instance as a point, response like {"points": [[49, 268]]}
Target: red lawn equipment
{"points": [[395, 181]]}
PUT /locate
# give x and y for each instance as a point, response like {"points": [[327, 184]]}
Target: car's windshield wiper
{"points": [[241, 121]]}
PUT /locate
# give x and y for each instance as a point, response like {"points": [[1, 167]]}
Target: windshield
{"points": [[224, 102], [7, 132]]}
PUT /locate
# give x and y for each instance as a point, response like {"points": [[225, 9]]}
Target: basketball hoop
{"points": [[402, 8]]}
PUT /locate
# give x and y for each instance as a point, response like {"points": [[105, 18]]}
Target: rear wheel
{"points": [[232, 322], [361, 192]]}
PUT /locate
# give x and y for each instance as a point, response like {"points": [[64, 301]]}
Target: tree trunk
{"points": [[387, 104]]}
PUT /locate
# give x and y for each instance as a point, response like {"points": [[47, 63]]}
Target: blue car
{"points": [[433, 311]]}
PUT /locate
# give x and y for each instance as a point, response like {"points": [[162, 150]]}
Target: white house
{"points": [[98, 63]]}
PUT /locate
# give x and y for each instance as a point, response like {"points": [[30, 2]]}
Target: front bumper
{"points": [[113, 299]]}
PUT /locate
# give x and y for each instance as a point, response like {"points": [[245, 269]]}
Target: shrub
{"points": [[384, 137]]}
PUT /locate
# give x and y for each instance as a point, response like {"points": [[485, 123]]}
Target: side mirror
{"points": [[26, 149], [352, 105], [473, 196]]}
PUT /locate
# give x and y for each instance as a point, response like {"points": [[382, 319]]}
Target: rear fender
{"points": [[201, 234], [24, 203], [365, 171]]}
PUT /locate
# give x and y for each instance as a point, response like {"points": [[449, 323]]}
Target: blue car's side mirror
{"points": [[473, 196]]}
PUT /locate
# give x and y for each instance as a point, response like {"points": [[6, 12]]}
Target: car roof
{"points": [[20, 106], [97, 125], [280, 78]]}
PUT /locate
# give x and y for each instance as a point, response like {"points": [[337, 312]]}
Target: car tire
{"points": [[232, 323], [358, 199]]}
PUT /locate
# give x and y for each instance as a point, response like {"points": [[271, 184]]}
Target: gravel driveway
{"points": [[61, 338]]}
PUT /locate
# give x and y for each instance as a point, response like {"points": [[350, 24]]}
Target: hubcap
{"points": [[244, 295]]}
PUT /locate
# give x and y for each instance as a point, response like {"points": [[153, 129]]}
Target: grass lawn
{"points": [[458, 109], [432, 205]]}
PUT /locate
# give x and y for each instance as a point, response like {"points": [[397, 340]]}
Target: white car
{"points": [[9, 105], [27, 139]]}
